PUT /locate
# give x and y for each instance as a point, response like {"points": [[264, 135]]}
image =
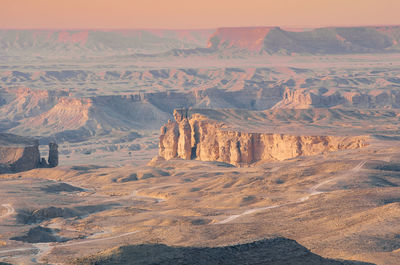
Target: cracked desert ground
{"points": [[113, 200]]}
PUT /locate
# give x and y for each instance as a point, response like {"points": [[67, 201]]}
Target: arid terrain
{"points": [[225, 146]]}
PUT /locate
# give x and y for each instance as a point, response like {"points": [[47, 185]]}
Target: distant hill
{"points": [[275, 251], [172, 43], [87, 42], [331, 40]]}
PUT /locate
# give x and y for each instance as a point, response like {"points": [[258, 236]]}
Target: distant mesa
{"points": [[193, 136], [330, 40], [162, 43], [250, 38], [63, 42], [19, 153]]}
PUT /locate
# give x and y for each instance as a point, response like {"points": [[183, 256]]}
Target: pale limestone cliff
{"points": [[200, 138], [19, 153], [169, 140]]}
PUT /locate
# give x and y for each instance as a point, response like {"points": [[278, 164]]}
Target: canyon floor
{"points": [[112, 200], [341, 205]]}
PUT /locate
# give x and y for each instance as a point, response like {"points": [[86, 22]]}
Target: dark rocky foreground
{"points": [[267, 251]]}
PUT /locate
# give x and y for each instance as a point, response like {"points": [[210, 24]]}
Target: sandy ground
{"points": [[342, 206]]}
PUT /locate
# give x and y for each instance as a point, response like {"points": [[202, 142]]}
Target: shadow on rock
{"points": [[275, 251]]}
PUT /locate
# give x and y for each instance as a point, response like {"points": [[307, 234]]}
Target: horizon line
{"points": [[202, 28]]}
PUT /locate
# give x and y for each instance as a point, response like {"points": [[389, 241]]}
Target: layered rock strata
{"points": [[19, 153], [302, 98], [198, 137]]}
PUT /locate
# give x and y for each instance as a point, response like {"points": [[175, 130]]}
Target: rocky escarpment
{"points": [[251, 38], [322, 98], [19, 153], [328, 40], [198, 137]]}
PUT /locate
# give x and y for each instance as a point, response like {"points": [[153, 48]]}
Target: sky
{"points": [[191, 14]]}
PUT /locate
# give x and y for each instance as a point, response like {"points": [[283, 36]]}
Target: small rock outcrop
{"points": [[19, 153], [53, 155], [200, 138], [37, 234]]}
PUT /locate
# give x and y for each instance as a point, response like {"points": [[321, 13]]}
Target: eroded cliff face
{"points": [[200, 138], [303, 98], [17, 159], [19, 153], [251, 38]]}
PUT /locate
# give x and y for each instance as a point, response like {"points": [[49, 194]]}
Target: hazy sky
{"points": [[194, 13]]}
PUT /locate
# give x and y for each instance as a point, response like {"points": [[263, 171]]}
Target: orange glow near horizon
{"points": [[188, 14]]}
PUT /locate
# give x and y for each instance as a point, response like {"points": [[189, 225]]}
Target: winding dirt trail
{"points": [[95, 240], [312, 191], [134, 195], [10, 210], [16, 250], [44, 248]]}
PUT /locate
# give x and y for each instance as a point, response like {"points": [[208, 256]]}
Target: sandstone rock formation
{"points": [[200, 138], [19, 153], [53, 155]]}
